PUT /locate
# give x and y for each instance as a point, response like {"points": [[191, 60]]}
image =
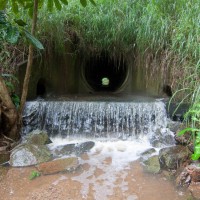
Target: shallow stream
{"points": [[112, 169]]}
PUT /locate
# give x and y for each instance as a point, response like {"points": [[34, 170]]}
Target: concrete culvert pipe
{"points": [[104, 74]]}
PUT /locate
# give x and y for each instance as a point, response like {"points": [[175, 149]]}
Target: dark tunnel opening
{"points": [[41, 87], [105, 74]]}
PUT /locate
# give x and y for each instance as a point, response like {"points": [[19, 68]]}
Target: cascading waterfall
{"points": [[94, 119], [120, 131]]}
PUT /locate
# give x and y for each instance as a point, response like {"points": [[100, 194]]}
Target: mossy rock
{"points": [[29, 154], [38, 137], [152, 165], [173, 157]]}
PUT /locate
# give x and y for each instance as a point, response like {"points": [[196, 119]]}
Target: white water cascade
{"points": [[97, 119]]}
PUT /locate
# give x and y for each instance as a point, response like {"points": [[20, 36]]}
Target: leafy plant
{"points": [[34, 174], [11, 33], [193, 115]]}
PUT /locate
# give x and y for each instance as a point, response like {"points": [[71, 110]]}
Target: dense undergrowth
{"points": [[168, 30], [165, 30], [121, 28], [157, 27]]}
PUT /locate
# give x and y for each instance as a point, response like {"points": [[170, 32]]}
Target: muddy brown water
{"points": [[90, 182]]}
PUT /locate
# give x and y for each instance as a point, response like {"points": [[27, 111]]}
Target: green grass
{"points": [[168, 29]]}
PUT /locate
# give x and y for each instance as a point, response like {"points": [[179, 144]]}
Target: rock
{"points": [[152, 165], [60, 165], [73, 149], [194, 171], [183, 179], [38, 137], [174, 126], [147, 153], [84, 147], [63, 150], [173, 157], [162, 137], [184, 139], [194, 188], [29, 154]]}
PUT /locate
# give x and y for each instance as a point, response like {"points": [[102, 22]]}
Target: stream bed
{"points": [[112, 169]]}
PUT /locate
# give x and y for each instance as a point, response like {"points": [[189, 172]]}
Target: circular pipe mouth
{"points": [[103, 74]]}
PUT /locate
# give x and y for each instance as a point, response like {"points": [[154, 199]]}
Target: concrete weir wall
{"points": [[66, 74]]}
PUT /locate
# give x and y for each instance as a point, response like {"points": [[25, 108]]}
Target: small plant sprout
{"points": [[34, 174]]}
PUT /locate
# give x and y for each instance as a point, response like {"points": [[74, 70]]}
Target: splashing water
{"points": [[121, 131], [95, 119]]}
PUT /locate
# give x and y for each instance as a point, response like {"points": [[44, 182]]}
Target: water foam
{"points": [[95, 119]]}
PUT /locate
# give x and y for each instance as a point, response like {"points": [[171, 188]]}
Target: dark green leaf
{"points": [[20, 22], [57, 4], [41, 3], [21, 2], [50, 5], [3, 4], [30, 12], [34, 41], [2, 18], [9, 85], [93, 2], [64, 2], [83, 3], [28, 5], [16, 100], [15, 6], [12, 35], [186, 130]]}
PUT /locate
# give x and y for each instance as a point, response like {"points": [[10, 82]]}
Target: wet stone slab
{"points": [[60, 165]]}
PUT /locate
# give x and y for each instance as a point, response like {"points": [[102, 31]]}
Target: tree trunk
{"points": [[10, 118], [30, 61], [9, 124]]}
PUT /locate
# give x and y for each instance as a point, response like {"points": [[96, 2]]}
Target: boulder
{"points": [[73, 149], [194, 188], [29, 154], [174, 126], [60, 165], [183, 178], [64, 150], [162, 137], [147, 153], [184, 139], [84, 147], [173, 157], [38, 137], [194, 171], [152, 165]]}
